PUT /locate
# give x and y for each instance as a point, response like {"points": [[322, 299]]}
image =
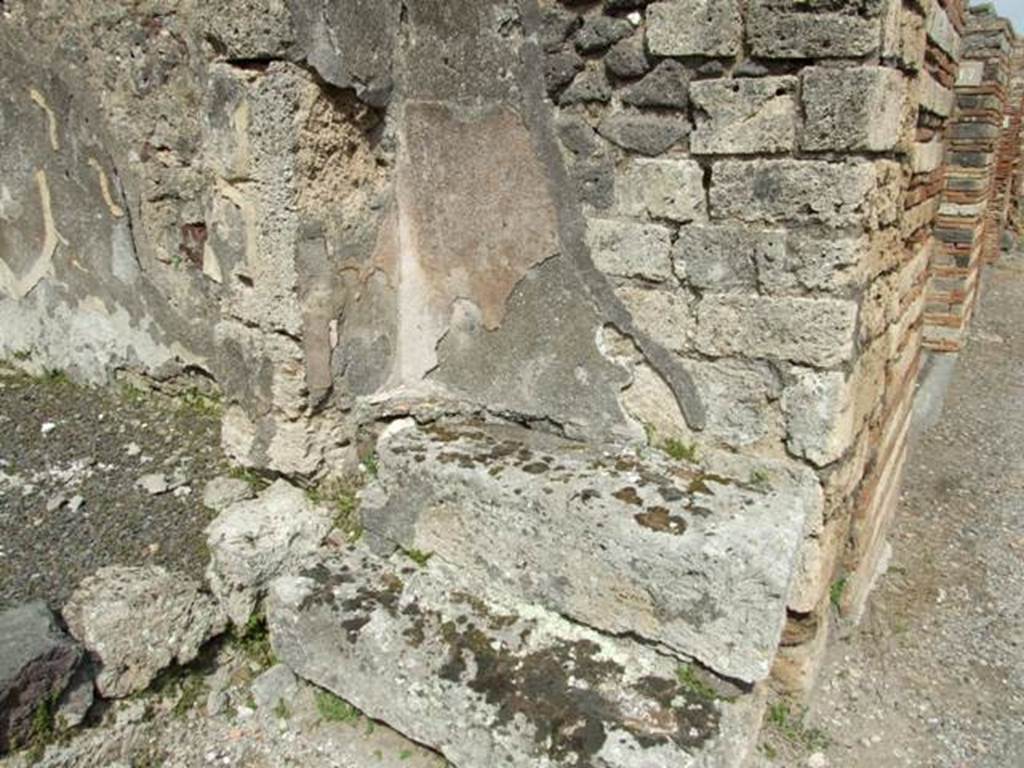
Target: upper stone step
{"points": [[489, 684], [644, 546]]}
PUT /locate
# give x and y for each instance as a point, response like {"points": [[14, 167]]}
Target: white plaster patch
{"points": [[51, 118], [18, 287], [115, 210]]}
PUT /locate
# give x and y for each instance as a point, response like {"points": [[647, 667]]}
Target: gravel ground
{"points": [[934, 676], [70, 460]]}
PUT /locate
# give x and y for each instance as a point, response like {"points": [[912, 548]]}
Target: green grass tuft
{"points": [[335, 709], [679, 450], [687, 676]]}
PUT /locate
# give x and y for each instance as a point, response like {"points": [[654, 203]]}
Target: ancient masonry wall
{"points": [[720, 226], [973, 205]]}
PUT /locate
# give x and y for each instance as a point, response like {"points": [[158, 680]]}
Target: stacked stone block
{"points": [[1008, 157], [759, 181], [970, 219]]}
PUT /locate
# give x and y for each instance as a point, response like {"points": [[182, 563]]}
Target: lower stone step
{"points": [[489, 684], [640, 545]]}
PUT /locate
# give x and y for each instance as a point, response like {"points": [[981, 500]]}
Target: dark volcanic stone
{"points": [[36, 661], [666, 86], [627, 59], [560, 69], [599, 32], [588, 87], [646, 134]]}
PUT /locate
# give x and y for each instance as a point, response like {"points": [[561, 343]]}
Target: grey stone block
{"points": [[796, 29], [136, 621], [694, 28], [819, 332], [803, 191], [662, 189], [252, 541], [589, 87], [489, 683], [858, 108], [744, 116], [627, 249], [37, 660], [696, 563], [627, 58]]}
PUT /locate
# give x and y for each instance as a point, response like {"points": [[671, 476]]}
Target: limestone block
{"points": [[819, 416], [627, 249], [926, 156], [664, 315], [933, 96], [724, 258], [858, 108], [37, 661], [817, 261], [747, 115], [970, 73], [804, 191], [662, 189], [659, 550], [818, 560], [136, 621], [739, 396], [798, 29], [488, 682], [253, 541], [694, 28], [815, 331], [941, 30]]}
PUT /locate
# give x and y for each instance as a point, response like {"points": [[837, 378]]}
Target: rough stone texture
{"points": [[796, 29], [137, 621], [37, 660], [819, 416], [646, 134], [253, 541], [665, 86], [815, 331], [620, 247], [851, 109], [223, 491], [493, 683], [744, 116], [499, 505], [806, 191], [662, 189], [694, 28]]}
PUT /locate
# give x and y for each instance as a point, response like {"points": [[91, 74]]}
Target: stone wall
{"points": [[708, 225]]}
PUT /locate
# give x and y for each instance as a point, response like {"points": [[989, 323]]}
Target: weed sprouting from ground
{"points": [[693, 685], [789, 726], [254, 640], [255, 480], [342, 496], [835, 592], [335, 709], [418, 556], [679, 450]]}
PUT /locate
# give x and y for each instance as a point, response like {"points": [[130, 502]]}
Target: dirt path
{"points": [[934, 676], [70, 461]]}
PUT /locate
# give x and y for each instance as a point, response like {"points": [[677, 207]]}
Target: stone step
{"points": [[646, 546], [489, 684]]}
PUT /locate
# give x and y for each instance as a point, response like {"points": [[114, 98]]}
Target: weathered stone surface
{"points": [[560, 68], [646, 134], [490, 683], [819, 416], [627, 58], [272, 687], [253, 541], [37, 660], [224, 491], [599, 32], [796, 29], [662, 189], [852, 108], [694, 28], [744, 116], [665, 315], [665, 86], [590, 86], [740, 395], [136, 621], [499, 504], [815, 331], [806, 191], [626, 249], [724, 258]]}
